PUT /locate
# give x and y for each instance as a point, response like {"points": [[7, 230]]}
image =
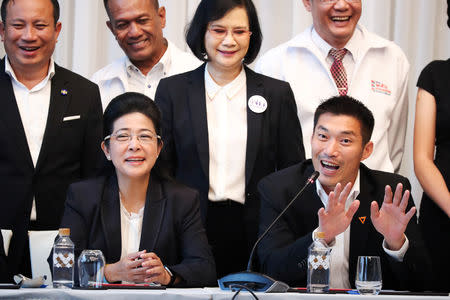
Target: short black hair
{"points": [[105, 3], [55, 3], [128, 103], [348, 106], [212, 10]]}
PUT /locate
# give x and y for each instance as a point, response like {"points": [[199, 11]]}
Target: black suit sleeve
{"points": [[91, 157], [197, 266], [282, 255], [168, 155], [290, 144]]}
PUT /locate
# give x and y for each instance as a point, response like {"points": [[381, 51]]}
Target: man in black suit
{"points": [[50, 125], [368, 226]]}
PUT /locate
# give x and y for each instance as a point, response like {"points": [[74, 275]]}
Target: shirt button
{"points": [[149, 86]]}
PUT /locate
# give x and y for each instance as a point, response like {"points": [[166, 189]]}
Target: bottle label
{"points": [[319, 262], [63, 260]]}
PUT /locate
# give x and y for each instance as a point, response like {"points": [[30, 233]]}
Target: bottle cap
{"points": [[319, 235], [64, 231]]}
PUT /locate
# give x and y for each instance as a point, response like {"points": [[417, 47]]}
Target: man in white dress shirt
{"points": [[373, 70], [138, 26], [355, 207]]}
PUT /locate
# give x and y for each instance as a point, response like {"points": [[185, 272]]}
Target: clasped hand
{"points": [[390, 220], [138, 267]]}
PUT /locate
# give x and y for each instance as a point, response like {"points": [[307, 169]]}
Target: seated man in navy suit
{"points": [[353, 205]]}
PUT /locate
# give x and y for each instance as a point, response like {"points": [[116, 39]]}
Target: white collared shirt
{"points": [[352, 46], [147, 84], [114, 79], [377, 73], [33, 105], [131, 229], [226, 110], [340, 248]]}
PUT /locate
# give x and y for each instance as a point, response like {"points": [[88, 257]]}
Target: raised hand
{"points": [[391, 220], [128, 268], [333, 219]]}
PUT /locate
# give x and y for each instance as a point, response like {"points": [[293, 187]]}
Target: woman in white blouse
{"points": [[147, 226]]}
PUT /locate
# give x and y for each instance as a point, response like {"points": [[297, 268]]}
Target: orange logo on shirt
{"points": [[362, 219]]}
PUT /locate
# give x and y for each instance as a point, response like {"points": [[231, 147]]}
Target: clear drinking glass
{"points": [[368, 275], [91, 264]]}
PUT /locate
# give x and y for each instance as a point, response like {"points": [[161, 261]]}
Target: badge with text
{"points": [[64, 92], [379, 87], [257, 104], [362, 219]]}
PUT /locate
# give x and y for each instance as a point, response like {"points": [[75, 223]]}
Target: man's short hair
{"points": [[105, 3], [208, 11], [55, 4], [348, 106]]}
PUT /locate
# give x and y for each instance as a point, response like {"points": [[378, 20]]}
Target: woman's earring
{"points": [[108, 157]]}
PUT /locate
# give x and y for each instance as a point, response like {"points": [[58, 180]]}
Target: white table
{"points": [[187, 294]]}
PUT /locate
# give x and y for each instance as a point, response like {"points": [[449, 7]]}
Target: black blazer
{"points": [[283, 252], [171, 226], [274, 137], [70, 151]]}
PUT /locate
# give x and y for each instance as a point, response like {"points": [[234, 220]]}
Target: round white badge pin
{"points": [[257, 104]]}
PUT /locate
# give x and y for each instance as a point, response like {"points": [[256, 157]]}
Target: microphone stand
{"points": [[256, 281]]}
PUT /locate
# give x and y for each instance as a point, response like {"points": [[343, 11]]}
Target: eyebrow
{"points": [[345, 132]]}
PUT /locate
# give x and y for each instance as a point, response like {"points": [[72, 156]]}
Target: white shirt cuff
{"points": [[400, 253], [330, 244]]}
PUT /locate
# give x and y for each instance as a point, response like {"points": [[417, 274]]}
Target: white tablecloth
{"points": [[186, 294]]}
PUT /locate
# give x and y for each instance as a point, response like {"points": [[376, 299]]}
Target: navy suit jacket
{"points": [[70, 151], [283, 252], [171, 226], [274, 137]]}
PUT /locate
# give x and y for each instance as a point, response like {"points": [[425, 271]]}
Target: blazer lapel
{"points": [[197, 107], [360, 225], [110, 216], [10, 116], [155, 205], [59, 99], [254, 87]]}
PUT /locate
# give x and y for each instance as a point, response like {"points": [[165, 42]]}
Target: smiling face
{"points": [[226, 54], [337, 149], [137, 26], [133, 159], [29, 34], [335, 23]]}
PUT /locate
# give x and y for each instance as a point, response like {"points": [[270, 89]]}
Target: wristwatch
{"points": [[172, 277]]}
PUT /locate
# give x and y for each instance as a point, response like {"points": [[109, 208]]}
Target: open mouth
{"points": [[28, 48], [329, 165], [134, 159], [340, 19]]}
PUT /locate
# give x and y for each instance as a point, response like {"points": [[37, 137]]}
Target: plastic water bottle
{"points": [[63, 260], [318, 265]]}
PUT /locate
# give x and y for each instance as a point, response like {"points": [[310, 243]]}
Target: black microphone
{"points": [[256, 281]]}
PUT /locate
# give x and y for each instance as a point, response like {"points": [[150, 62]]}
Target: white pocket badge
{"points": [[71, 118], [257, 104]]}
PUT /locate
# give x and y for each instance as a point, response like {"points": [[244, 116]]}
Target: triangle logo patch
{"points": [[362, 219]]}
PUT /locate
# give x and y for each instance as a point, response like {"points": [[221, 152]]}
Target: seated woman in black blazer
{"points": [[148, 227], [225, 127]]}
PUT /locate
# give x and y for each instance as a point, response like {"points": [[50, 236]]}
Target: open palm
{"points": [[391, 220]]}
